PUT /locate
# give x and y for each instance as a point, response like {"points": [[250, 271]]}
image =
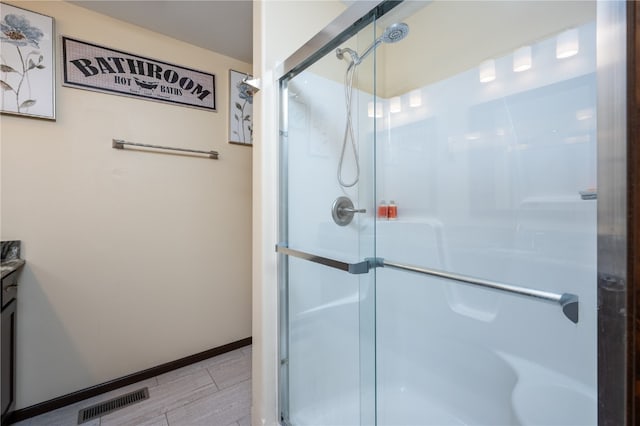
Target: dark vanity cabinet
{"points": [[8, 344]]}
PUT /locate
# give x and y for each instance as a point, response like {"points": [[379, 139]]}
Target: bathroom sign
{"points": [[91, 67]]}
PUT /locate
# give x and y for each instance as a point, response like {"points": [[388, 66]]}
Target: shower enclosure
{"points": [[477, 304]]}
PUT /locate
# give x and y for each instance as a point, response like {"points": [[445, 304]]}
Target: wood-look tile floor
{"points": [[213, 392]]}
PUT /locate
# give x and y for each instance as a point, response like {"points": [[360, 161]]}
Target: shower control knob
{"points": [[348, 210], [342, 211]]}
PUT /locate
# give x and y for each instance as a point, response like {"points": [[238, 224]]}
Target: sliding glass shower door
{"points": [[327, 300], [438, 219]]}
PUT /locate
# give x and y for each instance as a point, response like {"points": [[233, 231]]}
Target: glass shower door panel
{"points": [[330, 343], [488, 148]]}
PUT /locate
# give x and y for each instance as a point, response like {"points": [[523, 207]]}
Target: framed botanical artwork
{"points": [[240, 109], [27, 63]]}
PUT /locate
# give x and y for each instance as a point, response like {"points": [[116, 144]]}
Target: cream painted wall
{"points": [[279, 29], [133, 259]]}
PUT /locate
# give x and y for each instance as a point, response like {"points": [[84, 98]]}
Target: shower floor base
{"points": [[405, 409], [410, 409]]}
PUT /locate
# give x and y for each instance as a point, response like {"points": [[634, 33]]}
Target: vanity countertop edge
{"points": [[10, 261], [8, 267]]}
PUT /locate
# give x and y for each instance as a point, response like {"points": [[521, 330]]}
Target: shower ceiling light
{"points": [[522, 59], [415, 98], [487, 71], [567, 44], [395, 105]]}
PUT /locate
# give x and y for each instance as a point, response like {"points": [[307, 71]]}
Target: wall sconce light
{"points": [[567, 44], [522, 59], [415, 98], [253, 82], [395, 105], [487, 71], [377, 111]]}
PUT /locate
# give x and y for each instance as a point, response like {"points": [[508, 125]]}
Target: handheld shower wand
{"points": [[392, 34]]}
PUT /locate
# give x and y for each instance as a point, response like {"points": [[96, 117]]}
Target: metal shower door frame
{"points": [[611, 30]]}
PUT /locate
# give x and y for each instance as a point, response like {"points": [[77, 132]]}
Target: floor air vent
{"points": [[114, 404]]}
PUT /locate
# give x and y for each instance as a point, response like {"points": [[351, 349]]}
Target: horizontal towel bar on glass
{"points": [[119, 144], [567, 301]]}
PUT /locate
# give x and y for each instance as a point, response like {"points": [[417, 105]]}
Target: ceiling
{"points": [[221, 26]]}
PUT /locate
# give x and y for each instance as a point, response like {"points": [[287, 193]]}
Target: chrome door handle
{"points": [[352, 268]]}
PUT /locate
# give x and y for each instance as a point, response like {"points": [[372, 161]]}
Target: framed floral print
{"points": [[27, 65], [240, 109]]}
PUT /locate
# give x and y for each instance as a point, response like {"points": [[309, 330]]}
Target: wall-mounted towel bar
{"points": [[119, 144], [567, 301]]}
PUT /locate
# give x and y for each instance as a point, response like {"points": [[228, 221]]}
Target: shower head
{"points": [[395, 32], [392, 34]]}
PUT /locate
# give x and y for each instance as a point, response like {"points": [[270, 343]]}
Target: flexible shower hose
{"points": [[348, 131]]}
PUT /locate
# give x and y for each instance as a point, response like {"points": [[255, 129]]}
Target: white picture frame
{"points": [[27, 64], [240, 109]]}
